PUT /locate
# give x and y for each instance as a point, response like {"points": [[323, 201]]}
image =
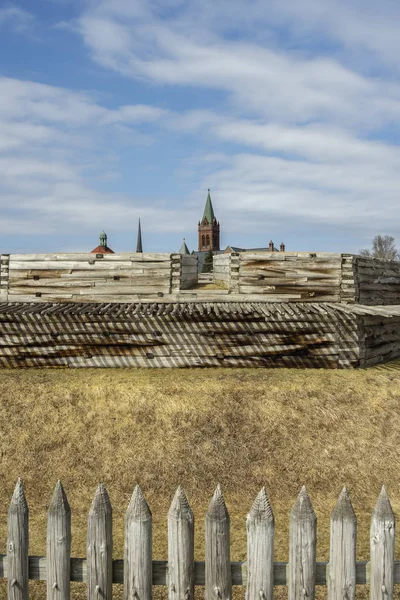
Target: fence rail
{"points": [[138, 572]]}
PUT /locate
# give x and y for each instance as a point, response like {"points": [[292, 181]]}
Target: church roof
{"points": [[236, 249], [184, 249], [102, 248], [208, 210]]}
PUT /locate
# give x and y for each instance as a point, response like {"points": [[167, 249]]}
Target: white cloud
{"points": [[12, 16], [51, 139]]}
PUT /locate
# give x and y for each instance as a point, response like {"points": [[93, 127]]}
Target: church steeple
{"points": [[208, 228], [208, 210], [139, 239], [184, 249]]}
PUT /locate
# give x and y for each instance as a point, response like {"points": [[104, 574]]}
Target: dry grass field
{"points": [[242, 428]]}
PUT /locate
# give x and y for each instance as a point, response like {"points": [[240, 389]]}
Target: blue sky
{"points": [[111, 110]]}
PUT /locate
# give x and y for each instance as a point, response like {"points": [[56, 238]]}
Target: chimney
{"points": [[271, 246], [282, 247]]}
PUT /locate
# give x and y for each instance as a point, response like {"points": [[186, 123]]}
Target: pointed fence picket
{"points": [[218, 562], [58, 554], [138, 549], [260, 549], [138, 572], [302, 549], [180, 548], [342, 563]]}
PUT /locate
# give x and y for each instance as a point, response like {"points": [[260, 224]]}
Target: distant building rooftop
{"points": [[103, 248]]}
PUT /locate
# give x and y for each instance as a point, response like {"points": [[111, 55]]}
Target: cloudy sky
{"points": [[111, 110]]}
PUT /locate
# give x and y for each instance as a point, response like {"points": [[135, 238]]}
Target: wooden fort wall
{"points": [[177, 335], [377, 282], [310, 277], [129, 277], [94, 277]]}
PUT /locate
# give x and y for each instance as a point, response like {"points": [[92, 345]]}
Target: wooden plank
{"points": [[342, 574], [382, 537], [138, 548], [85, 256], [99, 547], [58, 567], [260, 549], [302, 548], [17, 545], [37, 571], [180, 548], [218, 576]]}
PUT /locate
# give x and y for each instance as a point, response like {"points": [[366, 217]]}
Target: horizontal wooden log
{"points": [[84, 256], [38, 571]]}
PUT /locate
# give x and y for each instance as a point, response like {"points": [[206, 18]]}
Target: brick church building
{"points": [[209, 237]]}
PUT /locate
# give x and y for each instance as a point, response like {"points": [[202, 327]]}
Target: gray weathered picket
{"points": [[180, 573]]}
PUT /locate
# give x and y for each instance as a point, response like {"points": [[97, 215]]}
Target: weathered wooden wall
{"points": [[377, 281], [4, 276], [379, 339], [297, 277], [222, 270], [287, 276], [177, 335], [88, 277], [259, 574], [188, 271]]}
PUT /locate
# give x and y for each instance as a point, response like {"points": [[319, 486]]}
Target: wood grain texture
{"points": [[58, 567], [178, 335], [382, 549], [99, 547], [342, 563], [302, 549], [18, 545], [180, 548], [218, 576], [260, 527], [138, 549]]}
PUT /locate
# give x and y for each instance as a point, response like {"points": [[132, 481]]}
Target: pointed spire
{"points": [[184, 249], [180, 508], [208, 210], [139, 247], [101, 502], [344, 508], [261, 509], [303, 509], [217, 510], [138, 508], [59, 502]]}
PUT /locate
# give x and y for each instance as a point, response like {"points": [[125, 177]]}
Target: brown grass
{"points": [[243, 428]]}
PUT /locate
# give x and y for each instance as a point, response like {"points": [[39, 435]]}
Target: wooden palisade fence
{"points": [[138, 572]]}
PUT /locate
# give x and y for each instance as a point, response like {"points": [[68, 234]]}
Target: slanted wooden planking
{"points": [[218, 576], [260, 549], [302, 550], [58, 567], [180, 548], [382, 549], [342, 563], [184, 334], [99, 547], [138, 548], [17, 545]]}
